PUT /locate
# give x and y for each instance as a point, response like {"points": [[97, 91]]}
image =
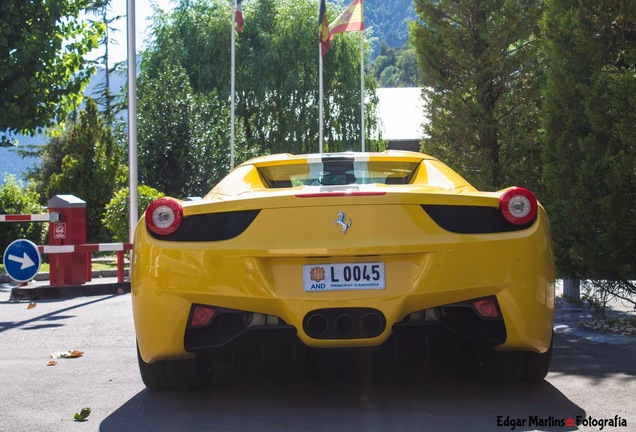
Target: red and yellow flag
{"points": [[323, 29], [351, 19]]}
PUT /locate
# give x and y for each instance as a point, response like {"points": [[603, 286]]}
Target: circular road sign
{"points": [[22, 260]]}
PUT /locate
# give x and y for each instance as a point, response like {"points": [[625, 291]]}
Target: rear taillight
{"points": [[486, 308], [201, 316], [518, 206], [164, 216]]}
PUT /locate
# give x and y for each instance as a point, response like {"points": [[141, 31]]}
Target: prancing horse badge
{"points": [[344, 223]]}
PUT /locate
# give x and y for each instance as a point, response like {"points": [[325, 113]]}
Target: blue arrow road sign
{"points": [[22, 260]]}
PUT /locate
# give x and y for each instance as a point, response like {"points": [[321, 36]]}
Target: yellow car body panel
{"points": [[261, 270]]}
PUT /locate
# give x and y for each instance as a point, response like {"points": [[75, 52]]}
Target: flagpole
{"points": [[352, 19], [320, 97], [232, 85], [362, 110], [133, 194]]}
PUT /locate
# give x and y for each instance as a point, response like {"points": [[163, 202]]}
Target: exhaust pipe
{"points": [[372, 323], [344, 323], [316, 325]]}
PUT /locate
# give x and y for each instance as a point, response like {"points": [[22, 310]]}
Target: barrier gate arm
{"points": [[120, 248], [45, 217]]}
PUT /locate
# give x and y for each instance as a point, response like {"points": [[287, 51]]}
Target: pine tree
{"points": [[589, 153], [479, 59], [107, 100], [82, 161]]}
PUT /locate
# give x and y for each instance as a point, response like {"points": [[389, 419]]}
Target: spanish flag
{"points": [[323, 29], [351, 19]]}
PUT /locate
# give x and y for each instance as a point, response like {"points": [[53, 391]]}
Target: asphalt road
{"points": [[587, 380]]}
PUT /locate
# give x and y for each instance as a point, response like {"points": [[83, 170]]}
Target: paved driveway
{"points": [[591, 382]]}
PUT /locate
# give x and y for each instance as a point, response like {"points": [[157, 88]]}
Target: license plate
{"points": [[343, 276]]}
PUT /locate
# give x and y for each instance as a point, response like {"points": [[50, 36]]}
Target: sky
{"points": [[143, 11]]}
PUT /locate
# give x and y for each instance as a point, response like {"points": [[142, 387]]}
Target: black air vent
{"points": [[211, 227], [470, 219]]}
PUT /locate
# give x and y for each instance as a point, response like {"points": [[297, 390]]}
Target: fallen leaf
{"points": [[51, 363], [31, 305], [82, 415], [75, 354], [67, 354]]}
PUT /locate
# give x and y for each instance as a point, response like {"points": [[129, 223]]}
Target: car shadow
{"points": [[359, 395]]}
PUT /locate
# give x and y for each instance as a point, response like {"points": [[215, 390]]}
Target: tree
{"points": [[107, 101], [42, 65], [396, 67], [588, 150], [181, 133], [15, 198], [184, 90], [117, 210], [480, 59], [82, 160], [407, 64]]}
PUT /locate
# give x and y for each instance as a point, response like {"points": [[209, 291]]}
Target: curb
{"points": [[40, 277], [5, 279], [49, 292]]}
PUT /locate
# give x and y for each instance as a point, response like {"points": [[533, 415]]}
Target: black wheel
{"points": [[515, 366], [190, 374]]}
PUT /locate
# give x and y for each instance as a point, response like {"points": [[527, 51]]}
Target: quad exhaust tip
{"points": [[344, 323]]}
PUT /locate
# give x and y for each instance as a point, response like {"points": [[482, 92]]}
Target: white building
{"points": [[401, 116]]}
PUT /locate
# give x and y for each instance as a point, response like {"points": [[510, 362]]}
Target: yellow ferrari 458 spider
{"points": [[342, 250]]}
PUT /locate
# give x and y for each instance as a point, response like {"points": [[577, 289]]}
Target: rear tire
{"points": [[515, 366], [190, 374]]}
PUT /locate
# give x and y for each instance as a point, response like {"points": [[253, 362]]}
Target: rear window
{"points": [[344, 171]]}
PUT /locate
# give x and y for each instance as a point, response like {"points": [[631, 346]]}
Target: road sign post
{"points": [[22, 260]]}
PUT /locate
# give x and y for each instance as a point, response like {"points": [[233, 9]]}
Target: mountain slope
{"points": [[12, 163], [389, 21]]}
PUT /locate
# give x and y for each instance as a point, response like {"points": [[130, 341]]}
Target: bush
{"points": [[117, 210], [15, 198]]}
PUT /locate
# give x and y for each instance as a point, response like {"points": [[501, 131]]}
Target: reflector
{"points": [[487, 308], [201, 316]]}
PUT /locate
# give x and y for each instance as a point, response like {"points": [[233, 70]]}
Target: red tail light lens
{"points": [[164, 216], [201, 316], [487, 308], [518, 206]]}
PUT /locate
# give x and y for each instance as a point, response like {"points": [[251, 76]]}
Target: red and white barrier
{"points": [[67, 235], [99, 247], [45, 217], [120, 248]]}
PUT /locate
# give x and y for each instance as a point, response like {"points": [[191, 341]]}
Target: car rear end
{"points": [[344, 263]]}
